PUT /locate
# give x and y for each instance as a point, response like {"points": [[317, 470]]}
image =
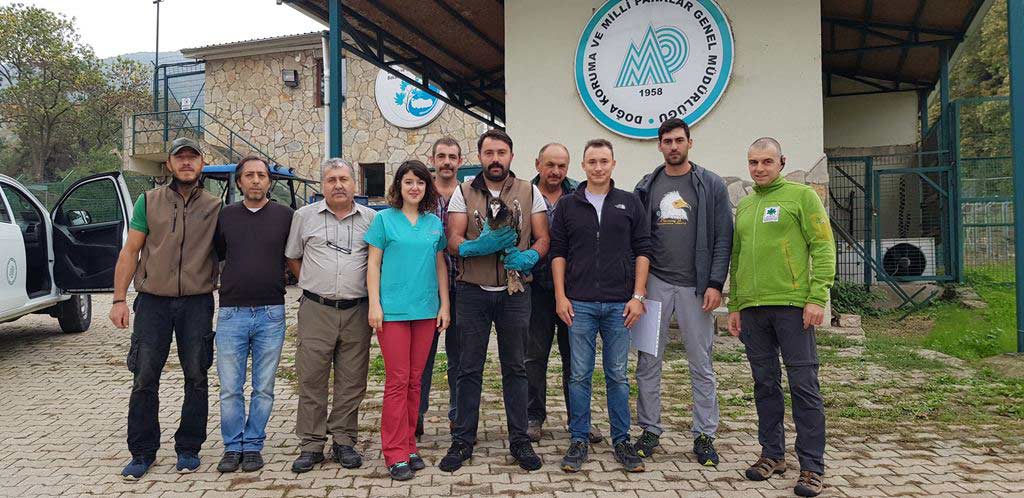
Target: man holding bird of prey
{"points": [[492, 220]]}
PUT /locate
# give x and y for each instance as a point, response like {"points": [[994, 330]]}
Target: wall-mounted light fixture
{"points": [[290, 77]]}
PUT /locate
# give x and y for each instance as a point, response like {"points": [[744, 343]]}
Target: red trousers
{"points": [[405, 346]]}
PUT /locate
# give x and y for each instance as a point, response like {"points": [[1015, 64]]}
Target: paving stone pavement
{"points": [[63, 405]]}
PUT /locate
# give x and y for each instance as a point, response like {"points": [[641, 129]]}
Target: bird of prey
{"points": [[501, 215]]}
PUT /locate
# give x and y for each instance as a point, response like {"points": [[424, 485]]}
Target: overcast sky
{"points": [[114, 27]]}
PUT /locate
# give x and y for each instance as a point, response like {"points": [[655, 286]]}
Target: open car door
{"points": [[90, 224]]}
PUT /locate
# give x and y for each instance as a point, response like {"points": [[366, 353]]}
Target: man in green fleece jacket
{"points": [[776, 299]]}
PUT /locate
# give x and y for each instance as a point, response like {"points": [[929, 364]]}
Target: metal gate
{"points": [[895, 218]]}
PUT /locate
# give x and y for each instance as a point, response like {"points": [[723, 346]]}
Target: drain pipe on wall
{"points": [[327, 95]]}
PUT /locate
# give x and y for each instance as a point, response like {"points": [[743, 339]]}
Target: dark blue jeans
{"points": [[189, 321], [451, 350], [591, 319], [510, 315]]}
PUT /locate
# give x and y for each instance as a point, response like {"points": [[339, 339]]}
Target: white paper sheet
{"points": [[646, 331]]}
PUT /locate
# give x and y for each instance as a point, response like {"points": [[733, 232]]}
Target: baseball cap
{"points": [[183, 142]]}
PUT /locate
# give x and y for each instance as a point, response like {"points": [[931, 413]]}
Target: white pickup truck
{"points": [[51, 262]]}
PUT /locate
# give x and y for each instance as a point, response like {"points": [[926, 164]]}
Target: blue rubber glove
{"points": [[489, 242], [522, 261]]}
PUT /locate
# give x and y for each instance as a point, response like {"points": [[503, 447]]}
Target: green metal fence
{"points": [[985, 171]]}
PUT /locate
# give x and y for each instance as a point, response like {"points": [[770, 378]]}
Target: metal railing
{"points": [[163, 126]]}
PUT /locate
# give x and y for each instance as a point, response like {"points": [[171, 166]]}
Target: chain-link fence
{"points": [[896, 208], [984, 151], [50, 192]]}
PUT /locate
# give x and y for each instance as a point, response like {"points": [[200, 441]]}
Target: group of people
{"points": [[526, 259]]}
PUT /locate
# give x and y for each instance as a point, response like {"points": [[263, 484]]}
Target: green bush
{"points": [[853, 298]]}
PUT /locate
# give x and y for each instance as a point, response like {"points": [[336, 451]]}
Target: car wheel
{"points": [[75, 314]]}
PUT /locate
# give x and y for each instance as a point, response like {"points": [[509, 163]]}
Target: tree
{"points": [[63, 104], [43, 67]]}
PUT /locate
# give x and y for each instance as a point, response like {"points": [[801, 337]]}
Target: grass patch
{"points": [[974, 334], [834, 341], [377, 368], [729, 356]]}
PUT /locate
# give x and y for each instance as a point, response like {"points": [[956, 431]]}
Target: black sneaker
{"points": [[230, 461], [416, 462], [646, 443], [704, 450], [575, 457], [251, 461], [458, 452], [626, 455], [306, 461], [400, 471], [524, 455], [347, 456]]}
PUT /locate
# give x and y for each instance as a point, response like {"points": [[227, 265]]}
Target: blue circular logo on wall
{"points": [[403, 104], [638, 64]]}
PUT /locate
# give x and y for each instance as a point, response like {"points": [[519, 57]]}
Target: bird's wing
{"points": [[479, 220], [517, 218]]}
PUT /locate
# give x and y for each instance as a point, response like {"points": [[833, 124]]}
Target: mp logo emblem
{"points": [[640, 62]]}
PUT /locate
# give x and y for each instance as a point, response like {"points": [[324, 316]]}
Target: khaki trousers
{"points": [[337, 339]]}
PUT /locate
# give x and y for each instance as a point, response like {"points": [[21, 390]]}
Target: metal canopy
{"points": [[891, 46], [455, 45], [458, 45]]}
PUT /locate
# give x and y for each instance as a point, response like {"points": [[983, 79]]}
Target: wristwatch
{"points": [[640, 298]]}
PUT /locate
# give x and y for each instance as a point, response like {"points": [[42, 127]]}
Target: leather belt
{"points": [[341, 304]]}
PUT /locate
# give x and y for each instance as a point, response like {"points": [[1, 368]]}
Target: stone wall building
{"points": [[245, 91]]}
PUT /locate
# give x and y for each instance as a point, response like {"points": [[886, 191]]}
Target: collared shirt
{"points": [[321, 240], [542, 270], [453, 269]]}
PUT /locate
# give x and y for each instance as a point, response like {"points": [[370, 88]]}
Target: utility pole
{"points": [[156, 61]]}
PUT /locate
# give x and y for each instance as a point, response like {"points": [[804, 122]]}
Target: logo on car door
{"points": [[12, 271]]}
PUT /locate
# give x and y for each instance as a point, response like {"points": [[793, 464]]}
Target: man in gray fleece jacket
{"points": [[691, 229]]}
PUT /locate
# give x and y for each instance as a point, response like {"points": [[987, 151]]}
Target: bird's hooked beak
{"points": [[494, 210]]}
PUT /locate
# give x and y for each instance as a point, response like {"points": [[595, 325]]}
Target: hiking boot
{"points": [[765, 467], [416, 462], [400, 471], [534, 430], [187, 463], [347, 456], [251, 461], [809, 484], [306, 461], [625, 454], [230, 461], [576, 456], [137, 468], [704, 450], [646, 443], [458, 452], [525, 456], [595, 435]]}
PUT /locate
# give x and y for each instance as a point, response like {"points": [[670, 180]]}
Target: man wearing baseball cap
{"points": [[170, 255]]}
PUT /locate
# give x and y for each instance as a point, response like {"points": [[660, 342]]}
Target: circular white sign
{"points": [[640, 63], [405, 105]]}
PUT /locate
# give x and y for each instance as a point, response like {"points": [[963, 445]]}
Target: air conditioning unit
{"points": [[907, 257]]}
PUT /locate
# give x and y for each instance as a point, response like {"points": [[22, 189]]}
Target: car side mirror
{"points": [[78, 217]]}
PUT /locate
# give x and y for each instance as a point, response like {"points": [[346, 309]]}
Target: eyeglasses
{"points": [[335, 245]]}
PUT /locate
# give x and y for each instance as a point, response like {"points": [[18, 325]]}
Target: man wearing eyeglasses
{"points": [[326, 249]]}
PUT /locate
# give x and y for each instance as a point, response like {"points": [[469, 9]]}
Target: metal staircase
{"points": [[149, 135]]}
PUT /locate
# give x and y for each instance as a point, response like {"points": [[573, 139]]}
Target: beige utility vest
{"points": [[488, 270], [178, 258]]}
